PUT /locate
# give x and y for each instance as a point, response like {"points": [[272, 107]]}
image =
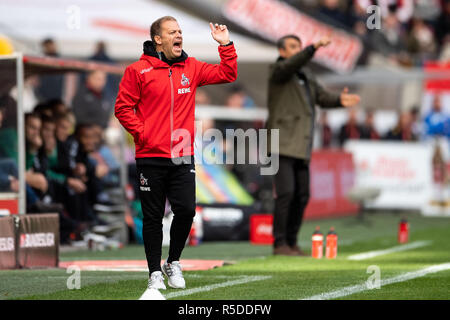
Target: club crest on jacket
{"points": [[184, 80]]}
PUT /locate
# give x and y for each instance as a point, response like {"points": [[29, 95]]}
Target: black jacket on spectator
{"points": [[90, 107]]}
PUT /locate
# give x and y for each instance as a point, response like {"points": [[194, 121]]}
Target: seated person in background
{"points": [[436, 121], [403, 129], [8, 170], [43, 108], [90, 104], [34, 175], [107, 167], [86, 171], [368, 131], [8, 129], [325, 130], [351, 129], [55, 161], [57, 106]]}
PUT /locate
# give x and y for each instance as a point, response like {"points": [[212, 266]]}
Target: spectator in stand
{"points": [[368, 131], [86, 171], [238, 98], [34, 175], [57, 106], [436, 121], [351, 129], [332, 9], [55, 166], [403, 129], [8, 129], [8, 170], [442, 25], [416, 122], [326, 133], [421, 42], [202, 97], [90, 104], [102, 56], [391, 39], [51, 85]]}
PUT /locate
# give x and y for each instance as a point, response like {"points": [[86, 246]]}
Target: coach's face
{"points": [[291, 47], [171, 39]]}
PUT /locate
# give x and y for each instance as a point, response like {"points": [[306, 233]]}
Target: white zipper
{"points": [[171, 110]]}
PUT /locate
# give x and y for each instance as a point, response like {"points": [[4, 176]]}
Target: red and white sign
{"points": [[401, 170], [272, 19]]}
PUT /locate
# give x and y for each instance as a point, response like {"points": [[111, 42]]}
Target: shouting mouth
{"points": [[177, 46]]}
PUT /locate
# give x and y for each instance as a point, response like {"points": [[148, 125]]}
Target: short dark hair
{"points": [[155, 29], [31, 115], [280, 42]]}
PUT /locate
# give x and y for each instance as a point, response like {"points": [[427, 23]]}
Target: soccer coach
{"points": [[293, 95], [156, 99]]}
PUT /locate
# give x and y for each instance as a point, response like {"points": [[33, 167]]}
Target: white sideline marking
{"points": [[346, 291], [376, 253], [242, 280]]}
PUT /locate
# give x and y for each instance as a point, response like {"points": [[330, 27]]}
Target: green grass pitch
{"points": [[286, 278]]}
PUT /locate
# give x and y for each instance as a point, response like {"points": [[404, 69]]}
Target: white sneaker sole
{"points": [[170, 282]]}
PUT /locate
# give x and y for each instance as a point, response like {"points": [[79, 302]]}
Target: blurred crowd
{"points": [[411, 32], [411, 126], [69, 167]]}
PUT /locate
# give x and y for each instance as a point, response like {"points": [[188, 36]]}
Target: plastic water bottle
{"points": [[332, 241], [317, 244]]}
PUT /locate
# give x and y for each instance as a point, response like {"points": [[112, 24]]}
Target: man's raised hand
{"points": [[219, 33], [349, 100], [323, 42]]}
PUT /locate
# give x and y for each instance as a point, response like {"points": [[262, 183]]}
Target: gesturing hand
{"points": [[323, 42], [349, 100], [220, 33]]}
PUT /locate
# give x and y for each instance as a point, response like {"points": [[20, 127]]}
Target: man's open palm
{"points": [[349, 100], [220, 33]]}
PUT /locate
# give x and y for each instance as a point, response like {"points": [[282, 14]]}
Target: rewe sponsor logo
{"points": [[6, 244], [37, 240], [184, 90]]}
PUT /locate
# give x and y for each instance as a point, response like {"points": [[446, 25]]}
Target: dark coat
{"points": [[293, 93]]}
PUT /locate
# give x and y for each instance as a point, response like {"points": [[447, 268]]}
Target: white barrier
{"points": [[401, 170]]}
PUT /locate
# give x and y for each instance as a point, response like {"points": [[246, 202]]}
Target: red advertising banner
{"points": [[272, 19], [332, 177], [442, 84]]}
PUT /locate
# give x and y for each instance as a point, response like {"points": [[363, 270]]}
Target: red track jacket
{"points": [[156, 102]]}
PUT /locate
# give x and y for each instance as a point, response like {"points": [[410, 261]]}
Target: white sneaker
{"points": [[156, 281], [174, 274]]}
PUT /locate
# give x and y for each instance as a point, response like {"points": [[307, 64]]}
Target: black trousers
{"points": [[177, 183], [292, 190]]}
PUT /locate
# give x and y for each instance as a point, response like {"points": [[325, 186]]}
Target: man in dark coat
{"points": [[293, 94]]}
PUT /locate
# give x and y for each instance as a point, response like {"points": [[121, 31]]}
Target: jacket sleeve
{"points": [[284, 69], [224, 72], [127, 99], [326, 99]]}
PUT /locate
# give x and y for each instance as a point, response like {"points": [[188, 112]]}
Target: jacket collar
{"points": [[158, 59]]}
